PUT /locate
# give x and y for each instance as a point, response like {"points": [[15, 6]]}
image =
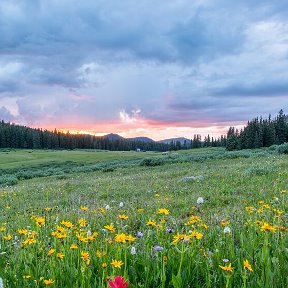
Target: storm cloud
{"points": [[84, 64]]}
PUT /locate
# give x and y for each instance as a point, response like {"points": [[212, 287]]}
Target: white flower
{"points": [[225, 260], [200, 200], [133, 250], [121, 204], [107, 207], [89, 233], [227, 230], [1, 283]]}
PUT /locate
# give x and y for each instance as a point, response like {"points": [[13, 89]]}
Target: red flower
{"points": [[118, 282]]}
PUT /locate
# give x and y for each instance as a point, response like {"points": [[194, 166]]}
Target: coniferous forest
{"points": [[17, 136], [259, 133]]}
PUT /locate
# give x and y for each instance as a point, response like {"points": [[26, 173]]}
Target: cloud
{"points": [[91, 62]]}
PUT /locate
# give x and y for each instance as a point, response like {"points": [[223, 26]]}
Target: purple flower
{"points": [[139, 234], [169, 230], [158, 248]]}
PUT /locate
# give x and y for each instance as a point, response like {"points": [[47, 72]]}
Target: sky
{"points": [[159, 69]]}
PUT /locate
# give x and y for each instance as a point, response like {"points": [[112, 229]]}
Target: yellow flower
{"points": [[157, 195], [50, 252], [123, 216], [84, 208], [82, 222], [163, 211], [60, 255], [247, 265], [48, 282], [47, 209], [250, 209], [225, 222], [193, 219], [29, 241], [104, 265], [67, 224], [22, 231], [117, 263], [40, 221], [140, 210], [227, 268], [2, 229], [151, 223], [8, 237], [267, 227], [73, 246], [180, 237], [26, 276], [123, 238], [85, 257], [110, 228], [102, 210], [196, 235]]}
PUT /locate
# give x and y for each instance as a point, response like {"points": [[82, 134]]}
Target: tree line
{"points": [[17, 136], [259, 133]]}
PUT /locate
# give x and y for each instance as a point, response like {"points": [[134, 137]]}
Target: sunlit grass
{"points": [[144, 223]]}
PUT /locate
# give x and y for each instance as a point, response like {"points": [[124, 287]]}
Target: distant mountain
{"points": [[180, 139], [113, 136], [143, 139]]}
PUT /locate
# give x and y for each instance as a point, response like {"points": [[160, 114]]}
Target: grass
{"points": [[244, 193]]}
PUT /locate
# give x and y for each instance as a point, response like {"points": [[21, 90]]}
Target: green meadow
{"points": [[195, 218]]}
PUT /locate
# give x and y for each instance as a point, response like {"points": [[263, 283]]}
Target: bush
{"points": [[152, 162], [283, 148], [8, 180]]}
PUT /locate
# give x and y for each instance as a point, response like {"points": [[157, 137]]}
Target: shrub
{"points": [[283, 148]]}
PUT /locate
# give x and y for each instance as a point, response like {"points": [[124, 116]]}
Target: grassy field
{"points": [[141, 219]]}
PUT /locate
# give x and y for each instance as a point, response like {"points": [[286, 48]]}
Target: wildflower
{"points": [[73, 246], [22, 231], [85, 257], [267, 227], [158, 248], [140, 210], [123, 216], [163, 211], [40, 221], [193, 219], [165, 258], [82, 222], [26, 276], [110, 228], [200, 200], [123, 238], [249, 209], [104, 265], [8, 237], [107, 207], [224, 222], [157, 195], [247, 265], [117, 263], [180, 237], [102, 210], [225, 260], [50, 252], [60, 255], [133, 250], [47, 209], [2, 229], [121, 204], [118, 282], [227, 230], [139, 234], [151, 223], [48, 282], [169, 230], [196, 235], [84, 208], [227, 268], [67, 224]]}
